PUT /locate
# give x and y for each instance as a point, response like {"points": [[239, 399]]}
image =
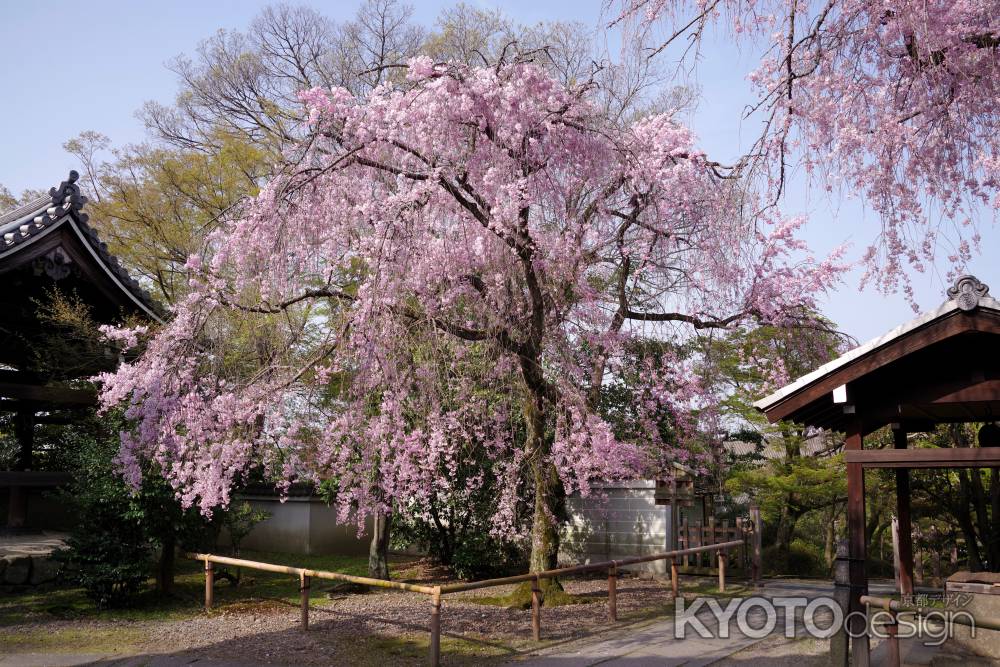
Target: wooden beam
{"points": [[943, 457], [949, 326], [10, 405], [33, 478], [857, 551], [48, 394]]}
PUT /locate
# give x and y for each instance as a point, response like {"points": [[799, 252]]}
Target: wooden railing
{"points": [[894, 608], [435, 593]]}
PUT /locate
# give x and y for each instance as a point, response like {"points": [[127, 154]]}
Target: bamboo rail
{"points": [[305, 577], [303, 572]]}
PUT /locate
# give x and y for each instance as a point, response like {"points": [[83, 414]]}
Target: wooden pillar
{"points": [[905, 555], [722, 571], [674, 578], [687, 541], [839, 654], [435, 647], [860, 646], [674, 521], [755, 536], [896, 567], [710, 532], [741, 551], [24, 432], [892, 641]]}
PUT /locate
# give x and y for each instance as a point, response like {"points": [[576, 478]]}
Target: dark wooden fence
{"points": [[692, 534]]}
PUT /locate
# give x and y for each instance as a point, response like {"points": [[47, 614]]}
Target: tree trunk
{"points": [[980, 503], [545, 521], [785, 530], [165, 568], [378, 553], [830, 537], [964, 516]]}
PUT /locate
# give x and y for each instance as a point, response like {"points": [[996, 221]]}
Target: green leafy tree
{"points": [[789, 471]]}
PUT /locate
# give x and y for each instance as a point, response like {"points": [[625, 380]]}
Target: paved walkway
{"points": [[34, 544], [654, 644]]}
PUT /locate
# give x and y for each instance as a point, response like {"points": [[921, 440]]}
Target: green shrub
{"points": [[481, 556], [802, 559], [109, 550], [120, 534]]}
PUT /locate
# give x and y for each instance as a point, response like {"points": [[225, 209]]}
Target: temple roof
{"points": [[940, 366], [27, 233]]}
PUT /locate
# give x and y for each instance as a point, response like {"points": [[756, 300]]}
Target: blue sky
{"points": [[74, 66]]}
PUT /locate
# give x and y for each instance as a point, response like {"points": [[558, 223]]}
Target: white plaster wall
{"points": [[303, 526], [617, 520]]}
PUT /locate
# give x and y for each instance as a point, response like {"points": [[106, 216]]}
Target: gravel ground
{"points": [[397, 614], [348, 627]]}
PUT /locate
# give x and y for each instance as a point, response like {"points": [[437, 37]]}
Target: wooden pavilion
{"points": [[46, 245], [941, 367]]}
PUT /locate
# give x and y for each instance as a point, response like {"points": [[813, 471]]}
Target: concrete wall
{"points": [[303, 525], [617, 520]]}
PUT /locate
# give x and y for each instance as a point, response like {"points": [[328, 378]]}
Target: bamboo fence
{"points": [[435, 593]]}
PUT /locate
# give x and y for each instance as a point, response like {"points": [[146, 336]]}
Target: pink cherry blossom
{"points": [[896, 102], [464, 260]]}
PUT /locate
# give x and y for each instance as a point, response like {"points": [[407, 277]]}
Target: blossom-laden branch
{"points": [[465, 259], [899, 102]]}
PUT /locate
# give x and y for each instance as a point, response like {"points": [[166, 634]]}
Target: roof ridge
{"points": [[19, 225]]}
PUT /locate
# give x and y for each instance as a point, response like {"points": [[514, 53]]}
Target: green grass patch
{"points": [[66, 640], [553, 595], [256, 589], [382, 650]]}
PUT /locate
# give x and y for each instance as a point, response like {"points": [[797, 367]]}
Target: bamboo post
{"points": [[435, 653], [536, 612], [613, 593], [674, 577], [209, 585], [304, 582], [722, 571]]}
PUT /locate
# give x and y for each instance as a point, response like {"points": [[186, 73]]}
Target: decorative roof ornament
{"points": [[967, 291], [68, 195], [63, 206]]}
